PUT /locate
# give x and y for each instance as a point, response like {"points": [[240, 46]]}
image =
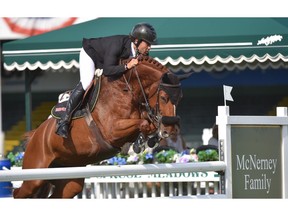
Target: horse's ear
{"points": [[184, 76], [170, 78], [172, 86]]}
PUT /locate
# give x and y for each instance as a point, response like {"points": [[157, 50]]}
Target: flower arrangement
{"points": [[208, 155], [118, 159], [146, 157], [163, 156], [16, 158], [187, 156]]}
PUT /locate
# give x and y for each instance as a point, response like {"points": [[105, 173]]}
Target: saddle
{"points": [[89, 100]]}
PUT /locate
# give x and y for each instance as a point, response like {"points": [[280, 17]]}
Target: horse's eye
{"points": [[164, 99]]}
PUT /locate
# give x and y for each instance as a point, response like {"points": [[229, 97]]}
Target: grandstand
{"points": [[14, 121]]}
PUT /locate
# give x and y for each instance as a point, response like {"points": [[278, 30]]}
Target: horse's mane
{"points": [[147, 60], [154, 63]]}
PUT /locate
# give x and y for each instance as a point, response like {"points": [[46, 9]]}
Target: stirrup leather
{"points": [[62, 128]]}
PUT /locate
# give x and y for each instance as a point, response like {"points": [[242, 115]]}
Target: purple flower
{"points": [[184, 159], [121, 161], [132, 159], [19, 156], [112, 160], [148, 156]]}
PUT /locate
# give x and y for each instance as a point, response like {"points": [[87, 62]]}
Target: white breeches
{"points": [[87, 69]]}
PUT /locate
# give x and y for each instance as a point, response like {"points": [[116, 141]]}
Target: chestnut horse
{"points": [[142, 101]]}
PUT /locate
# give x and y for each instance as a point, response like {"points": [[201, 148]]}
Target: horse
{"points": [[140, 104]]}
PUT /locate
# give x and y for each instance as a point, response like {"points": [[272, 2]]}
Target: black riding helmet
{"points": [[144, 31]]}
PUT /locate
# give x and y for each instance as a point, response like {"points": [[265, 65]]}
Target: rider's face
{"points": [[144, 47]]}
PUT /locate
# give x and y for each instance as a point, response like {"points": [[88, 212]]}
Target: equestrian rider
{"points": [[105, 53]]}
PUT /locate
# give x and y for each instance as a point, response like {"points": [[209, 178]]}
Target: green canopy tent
{"points": [[181, 41], [183, 44]]}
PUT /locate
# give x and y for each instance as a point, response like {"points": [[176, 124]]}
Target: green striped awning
{"points": [[182, 42]]}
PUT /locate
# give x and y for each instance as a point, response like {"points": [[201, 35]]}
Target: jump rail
{"points": [[100, 171]]}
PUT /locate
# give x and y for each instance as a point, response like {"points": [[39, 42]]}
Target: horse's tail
{"points": [[26, 138]]}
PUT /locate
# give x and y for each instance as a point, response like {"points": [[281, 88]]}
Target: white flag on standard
{"points": [[227, 93]]}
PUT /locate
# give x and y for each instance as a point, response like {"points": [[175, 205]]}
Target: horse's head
{"points": [[164, 96], [159, 92]]}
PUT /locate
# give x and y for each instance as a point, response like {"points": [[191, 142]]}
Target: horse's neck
{"points": [[149, 74], [144, 77]]}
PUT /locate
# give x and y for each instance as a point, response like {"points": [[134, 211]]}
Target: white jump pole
{"points": [[106, 170]]}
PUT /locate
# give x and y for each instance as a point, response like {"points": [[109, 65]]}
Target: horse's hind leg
{"points": [[67, 188], [28, 189], [44, 191]]}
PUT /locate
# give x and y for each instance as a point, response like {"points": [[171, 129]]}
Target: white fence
{"points": [[104, 170], [155, 185], [133, 181]]}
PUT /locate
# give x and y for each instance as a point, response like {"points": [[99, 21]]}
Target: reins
{"points": [[152, 117], [127, 83]]}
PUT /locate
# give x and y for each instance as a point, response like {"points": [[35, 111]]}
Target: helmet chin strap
{"points": [[137, 53], [137, 45]]}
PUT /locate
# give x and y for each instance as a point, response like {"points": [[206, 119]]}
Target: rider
{"points": [[105, 53]]}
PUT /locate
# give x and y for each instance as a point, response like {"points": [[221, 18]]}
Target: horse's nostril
{"points": [[165, 134]]}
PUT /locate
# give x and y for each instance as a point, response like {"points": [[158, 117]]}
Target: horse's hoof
{"points": [[152, 142], [136, 149], [15, 192], [140, 140]]}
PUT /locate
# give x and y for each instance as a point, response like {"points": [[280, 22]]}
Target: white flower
{"points": [[132, 159]]}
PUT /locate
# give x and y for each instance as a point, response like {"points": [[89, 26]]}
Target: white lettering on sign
{"points": [[262, 183], [253, 162]]}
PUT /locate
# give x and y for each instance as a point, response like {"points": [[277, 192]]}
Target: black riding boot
{"points": [[74, 101]]}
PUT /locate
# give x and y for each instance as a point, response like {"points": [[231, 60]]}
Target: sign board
{"points": [[256, 161]]}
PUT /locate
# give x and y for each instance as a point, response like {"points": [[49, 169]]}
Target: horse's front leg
{"points": [[137, 129], [126, 127]]}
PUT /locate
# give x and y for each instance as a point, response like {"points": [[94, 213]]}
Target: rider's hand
{"points": [[132, 63]]}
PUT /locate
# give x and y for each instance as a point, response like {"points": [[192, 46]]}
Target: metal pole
{"points": [[99, 171], [1, 132], [28, 100]]}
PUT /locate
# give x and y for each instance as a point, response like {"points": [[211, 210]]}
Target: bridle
{"points": [[153, 114], [152, 117]]}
